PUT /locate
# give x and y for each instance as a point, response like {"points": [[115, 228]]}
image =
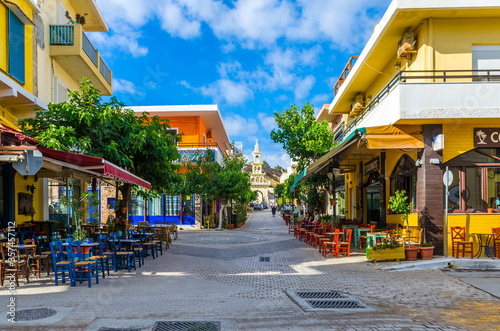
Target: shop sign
{"points": [[438, 142], [371, 166], [486, 137]]}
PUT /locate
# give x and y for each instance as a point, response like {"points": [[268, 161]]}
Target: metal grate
{"points": [[265, 259], [321, 295], [34, 314], [334, 304], [118, 329], [187, 326]]}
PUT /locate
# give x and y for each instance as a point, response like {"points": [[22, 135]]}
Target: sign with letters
{"points": [[486, 137], [371, 166]]}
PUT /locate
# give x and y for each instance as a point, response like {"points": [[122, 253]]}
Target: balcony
{"points": [[72, 49], [432, 95], [192, 152]]}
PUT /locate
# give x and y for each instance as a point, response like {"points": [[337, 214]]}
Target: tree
{"points": [[302, 137], [265, 164], [280, 168], [88, 125]]}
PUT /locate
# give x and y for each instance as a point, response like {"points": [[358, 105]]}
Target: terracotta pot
{"points": [[426, 253], [490, 210], [230, 226], [239, 225], [411, 253], [123, 210]]}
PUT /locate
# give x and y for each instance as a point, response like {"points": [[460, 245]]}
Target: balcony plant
{"points": [[399, 205]]}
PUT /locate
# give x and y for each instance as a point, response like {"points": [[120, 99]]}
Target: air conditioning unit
{"points": [[209, 134], [357, 105], [406, 46]]}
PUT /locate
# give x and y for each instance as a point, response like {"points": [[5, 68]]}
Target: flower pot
{"points": [[426, 253], [490, 210], [230, 226], [239, 225], [411, 253], [332, 202], [123, 210], [396, 253]]}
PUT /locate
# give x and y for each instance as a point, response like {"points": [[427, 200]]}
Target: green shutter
{"points": [[16, 47]]}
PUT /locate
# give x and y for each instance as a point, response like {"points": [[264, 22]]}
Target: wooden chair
{"points": [[83, 268], [34, 260], [324, 238], [362, 243], [148, 245], [320, 234], [496, 241], [101, 258], [44, 250], [19, 267], [60, 265], [122, 258], [345, 246], [459, 244], [331, 246]]}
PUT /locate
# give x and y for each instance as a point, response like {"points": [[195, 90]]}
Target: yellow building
{"points": [[423, 95]]}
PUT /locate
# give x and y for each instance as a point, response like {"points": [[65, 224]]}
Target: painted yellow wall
{"points": [[21, 187]]}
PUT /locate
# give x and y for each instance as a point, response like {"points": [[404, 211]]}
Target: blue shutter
{"points": [[16, 47]]}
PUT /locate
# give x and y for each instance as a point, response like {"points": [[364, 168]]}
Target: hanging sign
{"points": [[371, 166], [486, 137], [438, 142]]}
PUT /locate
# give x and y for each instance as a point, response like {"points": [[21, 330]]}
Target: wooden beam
{"points": [[17, 148], [52, 166], [64, 173]]}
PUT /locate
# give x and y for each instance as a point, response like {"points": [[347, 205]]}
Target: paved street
{"points": [[217, 276]]}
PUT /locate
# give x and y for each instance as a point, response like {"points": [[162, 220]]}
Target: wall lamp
{"points": [[31, 188]]}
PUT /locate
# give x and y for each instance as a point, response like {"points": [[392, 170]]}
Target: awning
{"points": [[92, 165], [18, 135], [394, 137], [323, 161]]}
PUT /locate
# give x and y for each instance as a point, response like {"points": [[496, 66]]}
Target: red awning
{"points": [[18, 134], [94, 165]]}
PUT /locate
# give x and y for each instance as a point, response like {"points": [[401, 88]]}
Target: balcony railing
{"points": [[62, 35], [345, 73], [422, 76], [103, 68], [88, 48], [191, 152]]}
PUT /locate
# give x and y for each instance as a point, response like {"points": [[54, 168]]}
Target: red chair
{"points": [[331, 246], [345, 246], [496, 241], [324, 238], [362, 239], [459, 244]]}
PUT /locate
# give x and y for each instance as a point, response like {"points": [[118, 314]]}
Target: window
{"points": [[493, 190], [16, 47], [154, 207], [486, 57], [61, 92], [172, 205], [454, 190], [61, 14], [404, 177], [173, 134], [136, 206]]}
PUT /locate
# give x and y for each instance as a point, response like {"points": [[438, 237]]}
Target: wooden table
{"points": [[349, 227], [357, 234], [373, 236]]}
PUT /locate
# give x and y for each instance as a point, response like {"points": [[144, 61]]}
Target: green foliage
{"points": [[279, 190], [426, 245], [106, 129], [398, 204], [265, 164], [387, 243], [303, 138]]}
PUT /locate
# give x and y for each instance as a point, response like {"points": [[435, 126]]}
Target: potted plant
{"points": [[399, 205], [429, 230], [387, 250], [426, 251]]}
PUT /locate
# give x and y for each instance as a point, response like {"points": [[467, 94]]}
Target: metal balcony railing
{"points": [[103, 68], [422, 76], [62, 35], [89, 49], [200, 147]]}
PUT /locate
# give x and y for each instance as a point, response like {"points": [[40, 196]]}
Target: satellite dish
{"points": [[31, 164]]}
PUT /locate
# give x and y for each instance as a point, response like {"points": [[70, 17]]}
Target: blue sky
{"points": [[251, 57]]}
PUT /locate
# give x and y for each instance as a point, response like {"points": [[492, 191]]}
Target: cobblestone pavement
{"points": [[217, 276]]}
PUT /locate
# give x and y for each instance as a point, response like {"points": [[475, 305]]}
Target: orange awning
{"points": [[394, 137]]}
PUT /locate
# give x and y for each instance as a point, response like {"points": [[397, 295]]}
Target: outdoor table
{"points": [[485, 244], [331, 234], [87, 247], [349, 227], [373, 236], [357, 234]]}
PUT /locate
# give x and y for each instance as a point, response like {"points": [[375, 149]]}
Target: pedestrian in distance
{"points": [[274, 210]]}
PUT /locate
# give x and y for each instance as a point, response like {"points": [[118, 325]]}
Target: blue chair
{"points": [[23, 235], [82, 267], [60, 265], [130, 233], [43, 249], [55, 236], [123, 258], [147, 246], [103, 257]]}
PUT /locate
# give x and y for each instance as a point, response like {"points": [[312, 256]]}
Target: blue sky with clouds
{"points": [[251, 57]]}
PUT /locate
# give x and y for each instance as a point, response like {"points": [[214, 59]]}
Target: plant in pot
{"points": [[398, 204], [429, 230]]}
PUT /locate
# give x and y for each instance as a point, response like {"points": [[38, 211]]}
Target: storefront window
{"points": [[454, 190], [57, 190], [136, 206], [404, 177], [493, 187], [154, 207], [473, 192], [172, 205]]}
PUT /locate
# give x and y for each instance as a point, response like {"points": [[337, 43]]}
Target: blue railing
{"points": [[62, 35], [89, 49]]}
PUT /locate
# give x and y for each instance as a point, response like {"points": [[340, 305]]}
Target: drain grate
{"points": [[327, 300], [264, 259], [321, 295], [34, 314], [187, 326], [334, 304], [118, 329]]}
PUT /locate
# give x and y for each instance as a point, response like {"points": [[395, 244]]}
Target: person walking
{"points": [[274, 210]]}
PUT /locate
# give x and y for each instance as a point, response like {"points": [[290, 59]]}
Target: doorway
{"points": [[373, 204]]}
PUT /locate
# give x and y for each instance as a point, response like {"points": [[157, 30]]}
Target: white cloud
{"points": [[125, 86], [303, 87], [267, 122], [320, 99], [236, 125], [177, 22], [228, 91]]}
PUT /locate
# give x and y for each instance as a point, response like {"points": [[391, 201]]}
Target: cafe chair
{"points": [[33, 259], [331, 246], [147, 246], [82, 268], [324, 238], [362, 243], [18, 268], [123, 258], [459, 244], [102, 259], [103, 251], [345, 246], [60, 265], [496, 241]]}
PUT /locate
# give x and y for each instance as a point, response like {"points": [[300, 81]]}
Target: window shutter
{"points": [[16, 47]]}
